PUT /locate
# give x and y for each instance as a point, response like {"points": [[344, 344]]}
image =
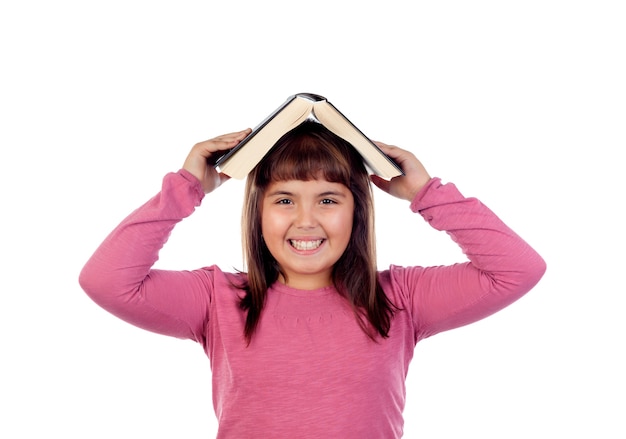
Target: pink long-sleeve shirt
{"points": [[310, 370]]}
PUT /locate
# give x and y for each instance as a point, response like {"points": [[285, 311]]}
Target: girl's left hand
{"points": [[405, 186]]}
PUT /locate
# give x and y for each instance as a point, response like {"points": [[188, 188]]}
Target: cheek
{"points": [[265, 219], [342, 225], [272, 224], [266, 229]]}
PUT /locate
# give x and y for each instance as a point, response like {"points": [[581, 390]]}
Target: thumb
{"points": [[380, 183]]}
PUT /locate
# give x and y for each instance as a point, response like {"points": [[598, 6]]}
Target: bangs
{"points": [[310, 152]]}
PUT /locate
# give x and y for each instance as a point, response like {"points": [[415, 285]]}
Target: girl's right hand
{"points": [[198, 161]]}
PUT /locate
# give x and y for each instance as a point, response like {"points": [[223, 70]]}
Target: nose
{"points": [[305, 217]]}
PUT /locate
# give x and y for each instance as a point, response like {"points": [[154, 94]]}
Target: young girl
{"points": [[311, 341]]}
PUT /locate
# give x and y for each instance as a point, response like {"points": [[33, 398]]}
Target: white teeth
{"points": [[306, 245]]}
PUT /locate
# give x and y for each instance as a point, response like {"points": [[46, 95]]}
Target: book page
{"points": [[252, 149], [336, 122]]}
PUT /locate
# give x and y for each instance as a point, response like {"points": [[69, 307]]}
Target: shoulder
{"points": [[221, 278], [400, 282]]}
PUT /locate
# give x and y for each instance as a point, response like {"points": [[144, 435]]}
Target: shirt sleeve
{"points": [[502, 267], [119, 275]]}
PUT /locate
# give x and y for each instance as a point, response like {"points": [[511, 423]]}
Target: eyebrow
{"points": [[333, 193]]}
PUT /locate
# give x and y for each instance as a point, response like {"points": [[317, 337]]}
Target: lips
{"points": [[305, 244]]}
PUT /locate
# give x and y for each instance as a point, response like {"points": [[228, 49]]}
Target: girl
{"points": [[311, 341]]}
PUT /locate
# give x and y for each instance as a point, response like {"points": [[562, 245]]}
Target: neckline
{"points": [[286, 289]]}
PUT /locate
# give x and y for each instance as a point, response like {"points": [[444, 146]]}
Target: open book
{"points": [[240, 160]]}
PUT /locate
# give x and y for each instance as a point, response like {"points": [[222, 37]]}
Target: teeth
{"points": [[306, 245]]}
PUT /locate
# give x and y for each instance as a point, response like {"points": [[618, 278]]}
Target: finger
{"points": [[380, 183], [237, 135], [223, 177], [224, 142], [392, 151], [383, 146]]}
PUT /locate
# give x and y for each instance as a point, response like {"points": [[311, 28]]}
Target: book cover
{"points": [[240, 160]]}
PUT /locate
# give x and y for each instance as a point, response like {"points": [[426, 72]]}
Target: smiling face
{"points": [[306, 226]]}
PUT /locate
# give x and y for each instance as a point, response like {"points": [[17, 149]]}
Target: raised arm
{"points": [[502, 267], [119, 275]]}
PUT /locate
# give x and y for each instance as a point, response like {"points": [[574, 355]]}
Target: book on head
{"points": [[240, 160]]}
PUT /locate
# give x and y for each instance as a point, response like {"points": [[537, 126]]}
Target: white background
{"points": [[521, 104]]}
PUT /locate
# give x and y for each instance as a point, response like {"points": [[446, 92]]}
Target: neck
{"points": [[308, 282]]}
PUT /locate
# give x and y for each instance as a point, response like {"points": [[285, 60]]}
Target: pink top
{"points": [[310, 371]]}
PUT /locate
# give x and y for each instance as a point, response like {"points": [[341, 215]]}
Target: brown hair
{"points": [[309, 152]]}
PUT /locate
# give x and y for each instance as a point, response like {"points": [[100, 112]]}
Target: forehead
{"points": [[306, 187]]}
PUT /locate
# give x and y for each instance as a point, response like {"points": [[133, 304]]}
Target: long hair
{"points": [[308, 152]]}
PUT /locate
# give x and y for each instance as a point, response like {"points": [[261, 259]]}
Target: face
{"points": [[306, 226]]}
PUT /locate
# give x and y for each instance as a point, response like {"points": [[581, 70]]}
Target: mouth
{"points": [[306, 245]]}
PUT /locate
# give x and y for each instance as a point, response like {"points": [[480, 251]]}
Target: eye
{"points": [[284, 201], [328, 201]]}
